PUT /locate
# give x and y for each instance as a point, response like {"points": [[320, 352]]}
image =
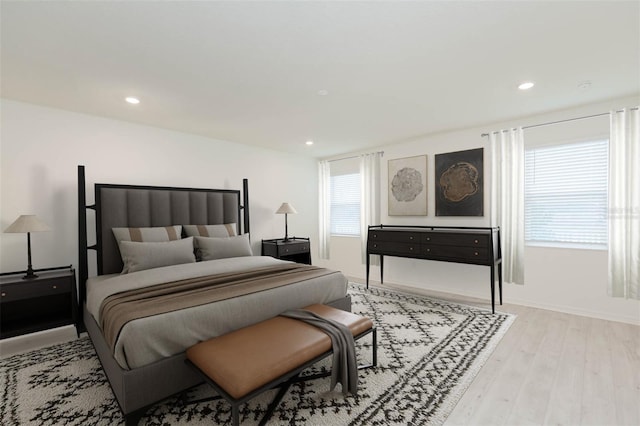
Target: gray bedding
{"points": [[146, 340]]}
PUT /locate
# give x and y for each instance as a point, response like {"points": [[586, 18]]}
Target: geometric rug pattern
{"points": [[429, 351]]}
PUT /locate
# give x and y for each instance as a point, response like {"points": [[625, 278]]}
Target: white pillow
{"points": [[140, 256], [211, 248]]}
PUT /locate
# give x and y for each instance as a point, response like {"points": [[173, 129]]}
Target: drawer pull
{"points": [[475, 241], [375, 235], [411, 238], [4, 294], [410, 248], [375, 246], [428, 238], [55, 287], [475, 253], [428, 250]]}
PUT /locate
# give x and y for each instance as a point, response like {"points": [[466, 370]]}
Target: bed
{"points": [[143, 365]]}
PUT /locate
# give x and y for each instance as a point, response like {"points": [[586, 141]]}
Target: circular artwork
{"points": [[459, 181], [406, 184]]}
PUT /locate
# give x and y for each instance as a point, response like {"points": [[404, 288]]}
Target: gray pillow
{"points": [[223, 230], [211, 248], [140, 256]]}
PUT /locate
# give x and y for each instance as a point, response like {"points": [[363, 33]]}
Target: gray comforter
{"points": [[149, 339]]}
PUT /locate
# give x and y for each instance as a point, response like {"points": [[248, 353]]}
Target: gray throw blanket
{"points": [[345, 366]]}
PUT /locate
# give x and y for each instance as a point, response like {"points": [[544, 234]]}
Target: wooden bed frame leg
{"points": [[133, 419]]}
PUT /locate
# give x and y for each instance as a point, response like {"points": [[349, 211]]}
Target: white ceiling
{"points": [[251, 72]]}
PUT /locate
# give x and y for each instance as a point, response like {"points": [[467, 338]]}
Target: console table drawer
{"points": [[478, 255], [395, 236], [386, 247], [456, 239]]}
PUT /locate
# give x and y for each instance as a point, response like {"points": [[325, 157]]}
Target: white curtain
{"points": [[324, 216], [507, 199], [369, 199], [624, 204]]}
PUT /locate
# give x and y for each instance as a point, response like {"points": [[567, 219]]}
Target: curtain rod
{"points": [[354, 156], [562, 121]]}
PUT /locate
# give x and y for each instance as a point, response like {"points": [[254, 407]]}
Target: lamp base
{"points": [[30, 275]]}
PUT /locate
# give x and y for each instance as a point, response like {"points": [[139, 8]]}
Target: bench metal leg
{"points": [[277, 399], [235, 414]]}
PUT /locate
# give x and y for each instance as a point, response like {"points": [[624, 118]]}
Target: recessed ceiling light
{"points": [[323, 92], [309, 143], [526, 85], [132, 100]]}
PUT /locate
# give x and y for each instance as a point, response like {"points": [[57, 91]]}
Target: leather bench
{"points": [[244, 363]]}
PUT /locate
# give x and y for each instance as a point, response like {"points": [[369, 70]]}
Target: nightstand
{"points": [[296, 249], [41, 303]]}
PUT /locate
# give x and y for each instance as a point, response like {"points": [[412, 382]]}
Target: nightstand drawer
{"points": [[27, 290], [293, 248]]}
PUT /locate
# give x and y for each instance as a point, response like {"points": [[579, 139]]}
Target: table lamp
{"points": [[27, 223], [286, 209]]}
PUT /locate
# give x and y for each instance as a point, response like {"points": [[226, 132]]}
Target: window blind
{"points": [[345, 204], [566, 189]]}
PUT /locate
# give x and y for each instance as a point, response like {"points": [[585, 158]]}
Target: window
{"points": [[345, 204], [566, 189]]}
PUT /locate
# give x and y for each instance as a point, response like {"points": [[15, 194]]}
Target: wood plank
{"points": [[532, 401], [598, 406], [565, 396], [623, 340]]}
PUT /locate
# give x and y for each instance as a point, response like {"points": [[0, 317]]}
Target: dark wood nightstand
{"points": [[296, 249], [41, 303]]}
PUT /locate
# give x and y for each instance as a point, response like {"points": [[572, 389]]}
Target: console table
{"points": [[476, 246]]}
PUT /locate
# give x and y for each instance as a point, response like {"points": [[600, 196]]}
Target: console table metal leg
{"points": [[381, 269], [493, 289], [500, 280], [368, 262]]}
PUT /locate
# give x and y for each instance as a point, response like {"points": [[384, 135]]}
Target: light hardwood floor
{"points": [[553, 368]]}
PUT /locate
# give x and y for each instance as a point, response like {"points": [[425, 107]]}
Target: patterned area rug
{"points": [[429, 351]]}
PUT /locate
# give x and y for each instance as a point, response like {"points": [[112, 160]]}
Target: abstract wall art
{"points": [[459, 184], [408, 186]]}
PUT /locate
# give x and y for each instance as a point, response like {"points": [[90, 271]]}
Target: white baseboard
{"points": [[40, 339], [577, 311], [516, 301]]}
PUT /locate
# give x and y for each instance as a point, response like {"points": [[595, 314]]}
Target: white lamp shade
{"points": [[286, 208], [27, 223]]}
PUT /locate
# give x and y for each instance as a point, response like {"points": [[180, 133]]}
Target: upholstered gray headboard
{"points": [[150, 206], [138, 206]]}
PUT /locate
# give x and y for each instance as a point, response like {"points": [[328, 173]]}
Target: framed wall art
{"points": [[408, 186], [459, 183]]}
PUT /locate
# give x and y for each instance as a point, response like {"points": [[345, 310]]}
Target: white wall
{"points": [[41, 147], [568, 280]]}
